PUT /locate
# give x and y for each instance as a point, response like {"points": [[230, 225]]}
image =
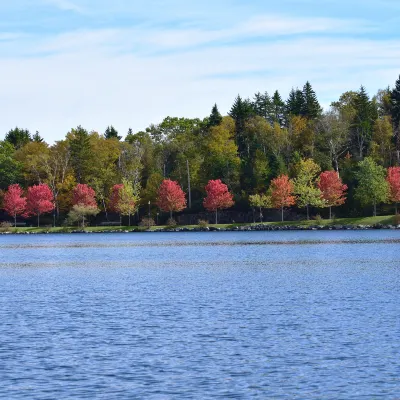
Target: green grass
{"points": [[384, 220]]}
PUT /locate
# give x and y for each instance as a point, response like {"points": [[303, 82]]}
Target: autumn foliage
{"points": [[282, 193], [39, 200], [218, 197], [332, 189], [84, 195], [14, 203], [171, 197], [393, 178], [115, 197]]}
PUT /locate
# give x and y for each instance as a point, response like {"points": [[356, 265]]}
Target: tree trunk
{"points": [[105, 208], [170, 214], [330, 212], [216, 216], [395, 208], [254, 217], [129, 219], [38, 220], [282, 213], [15, 220], [374, 208], [308, 213], [261, 216]]}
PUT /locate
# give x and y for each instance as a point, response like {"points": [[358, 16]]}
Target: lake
{"points": [[230, 315]]}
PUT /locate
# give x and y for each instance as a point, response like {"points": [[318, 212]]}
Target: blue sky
{"points": [[130, 63]]}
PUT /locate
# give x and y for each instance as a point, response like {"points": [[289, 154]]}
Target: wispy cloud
{"points": [[65, 5]]}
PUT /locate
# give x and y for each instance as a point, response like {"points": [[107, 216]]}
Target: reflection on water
{"points": [[210, 315]]}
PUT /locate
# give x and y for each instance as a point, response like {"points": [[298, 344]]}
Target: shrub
{"points": [[147, 222], [171, 223], [396, 219], [318, 219], [203, 223], [5, 226]]}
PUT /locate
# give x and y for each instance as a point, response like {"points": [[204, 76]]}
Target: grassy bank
{"points": [[384, 220]]}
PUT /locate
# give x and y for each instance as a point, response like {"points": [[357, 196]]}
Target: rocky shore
{"points": [[245, 228]]}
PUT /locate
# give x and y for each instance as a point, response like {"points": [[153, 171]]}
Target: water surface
{"points": [[305, 315]]}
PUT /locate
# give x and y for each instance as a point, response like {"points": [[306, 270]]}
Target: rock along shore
{"points": [[247, 228]]}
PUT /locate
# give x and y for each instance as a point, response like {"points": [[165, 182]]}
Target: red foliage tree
{"points": [[115, 197], [393, 178], [171, 197], [14, 203], [218, 197], [282, 193], [332, 188], [84, 195], [40, 200]]}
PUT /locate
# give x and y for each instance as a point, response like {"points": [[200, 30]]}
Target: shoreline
{"points": [[242, 228]]}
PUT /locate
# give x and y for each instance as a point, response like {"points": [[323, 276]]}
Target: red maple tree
{"points": [[84, 195], [171, 197], [14, 203], [282, 193], [218, 197], [40, 200], [115, 197], [332, 188], [393, 178]]}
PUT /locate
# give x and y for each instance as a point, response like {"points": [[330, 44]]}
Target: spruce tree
{"points": [[310, 108], [295, 104], [37, 138], [215, 117], [395, 100], [18, 137], [79, 144], [111, 133], [278, 109]]}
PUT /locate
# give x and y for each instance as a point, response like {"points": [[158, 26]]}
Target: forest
{"points": [[286, 158]]}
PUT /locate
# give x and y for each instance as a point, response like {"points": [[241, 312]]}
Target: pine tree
{"points": [[295, 104], [80, 152], [111, 133], [278, 109], [395, 100], [37, 138], [310, 108], [215, 117], [262, 105], [18, 137]]}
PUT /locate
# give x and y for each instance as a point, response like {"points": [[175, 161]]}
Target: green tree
{"points": [[111, 133], [372, 185], [260, 201], [10, 168], [395, 113], [81, 153], [215, 117], [18, 137], [305, 185], [311, 108]]}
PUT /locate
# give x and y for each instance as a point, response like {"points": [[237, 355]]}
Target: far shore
{"points": [[361, 223]]}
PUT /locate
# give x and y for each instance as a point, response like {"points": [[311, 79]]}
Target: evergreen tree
{"points": [[365, 116], [262, 105], [37, 138], [278, 110], [395, 113], [111, 132], [79, 144], [18, 137], [295, 104], [310, 108], [215, 117]]}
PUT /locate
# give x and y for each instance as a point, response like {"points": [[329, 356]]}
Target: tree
{"points": [[84, 203], [395, 113], [18, 137], [333, 190], [311, 108], [215, 118], [282, 193], [260, 201], [40, 201], [81, 153], [218, 197], [13, 202], [372, 185], [307, 193], [393, 179], [171, 197], [9, 166], [111, 133], [37, 138], [125, 199]]}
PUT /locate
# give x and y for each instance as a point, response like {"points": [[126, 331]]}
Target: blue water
{"points": [[300, 315]]}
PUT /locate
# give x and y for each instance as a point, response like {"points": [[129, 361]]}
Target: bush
{"points": [[203, 223], [147, 222], [396, 219], [171, 223], [318, 219], [5, 226]]}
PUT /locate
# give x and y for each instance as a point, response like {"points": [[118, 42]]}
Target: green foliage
{"points": [[18, 137], [372, 186], [111, 133], [10, 168]]}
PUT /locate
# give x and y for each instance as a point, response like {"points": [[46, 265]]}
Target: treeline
{"points": [[260, 140]]}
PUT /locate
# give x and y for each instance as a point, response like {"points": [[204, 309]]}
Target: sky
{"points": [[130, 63]]}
